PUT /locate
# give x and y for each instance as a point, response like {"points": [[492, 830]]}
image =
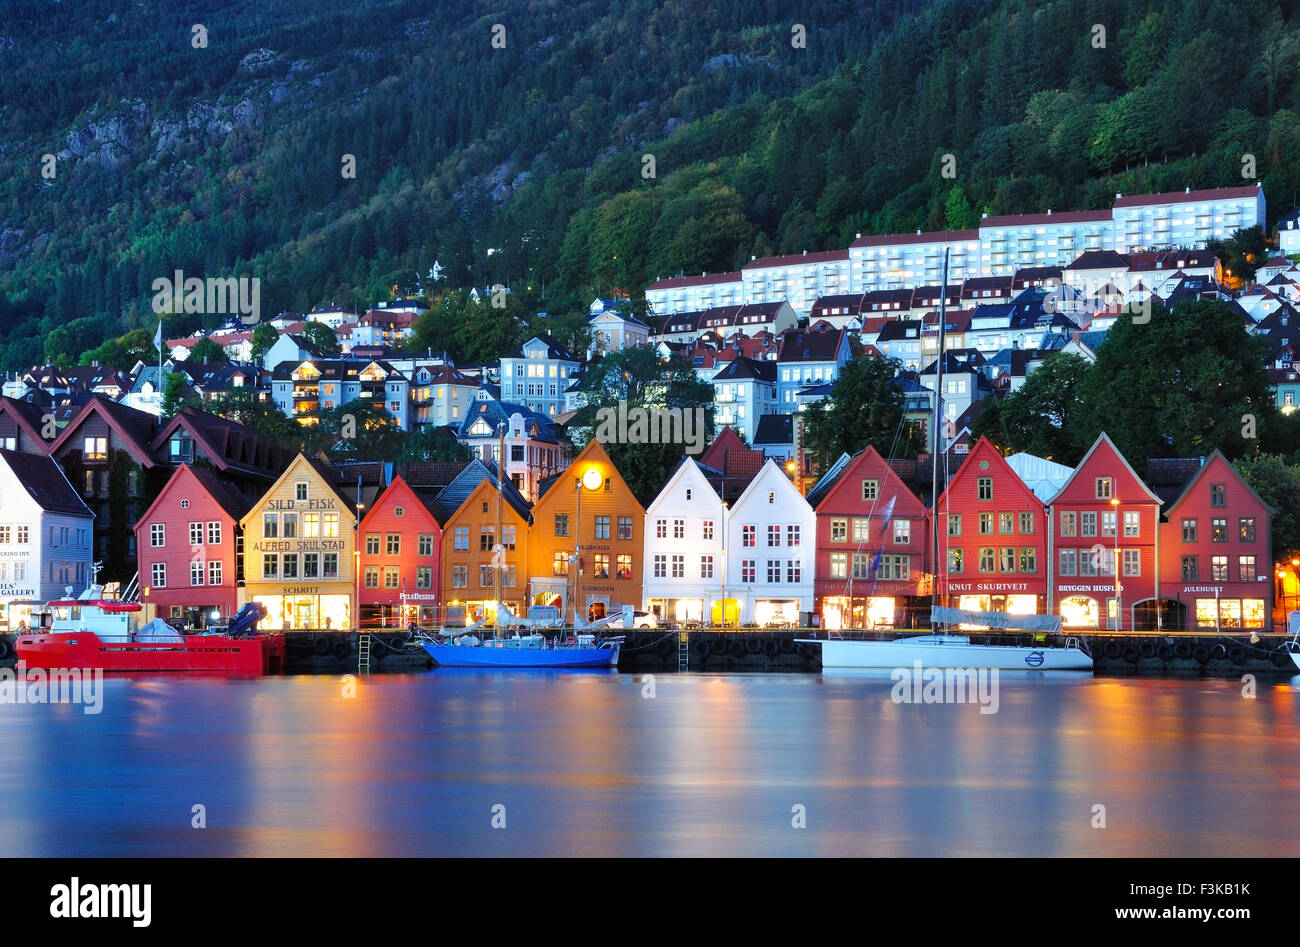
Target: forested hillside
{"points": [[526, 165]]}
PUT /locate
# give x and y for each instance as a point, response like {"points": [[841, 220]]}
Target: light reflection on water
{"points": [[711, 765]]}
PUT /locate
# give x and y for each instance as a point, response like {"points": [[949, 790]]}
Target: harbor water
{"points": [[544, 763]]}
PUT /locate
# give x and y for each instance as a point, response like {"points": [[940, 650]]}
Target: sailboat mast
{"points": [[934, 452], [498, 559]]}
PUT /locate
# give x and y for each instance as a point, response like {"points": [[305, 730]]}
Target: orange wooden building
{"points": [[485, 518]]}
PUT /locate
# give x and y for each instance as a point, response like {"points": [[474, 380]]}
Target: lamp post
{"points": [[723, 564], [591, 480], [1119, 603]]}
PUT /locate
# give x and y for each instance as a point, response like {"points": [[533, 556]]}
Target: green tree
{"points": [[1178, 384], [1242, 253], [175, 394], [360, 430], [205, 350], [958, 214], [322, 337], [264, 336], [865, 407], [433, 444], [638, 377], [245, 406], [1046, 416], [1278, 482]]}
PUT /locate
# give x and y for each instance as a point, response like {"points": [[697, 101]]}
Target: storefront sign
{"points": [[958, 587]]}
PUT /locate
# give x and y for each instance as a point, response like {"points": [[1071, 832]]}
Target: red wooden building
{"points": [[400, 556], [1102, 514], [992, 538], [190, 548], [1215, 553], [865, 511]]}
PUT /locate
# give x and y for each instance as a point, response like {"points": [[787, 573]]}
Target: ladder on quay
{"points": [[683, 651], [363, 653]]}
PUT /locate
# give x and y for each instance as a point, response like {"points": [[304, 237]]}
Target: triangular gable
{"points": [[399, 490], [983, 450], [683, 471], [1109, 445], [25, 415], [1216, 455], [317, 473], [485, 490], [116, 418], [769, 478], [591, 455]]}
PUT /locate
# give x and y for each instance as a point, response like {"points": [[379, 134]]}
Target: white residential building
{"points": [[894, 261], [1189, 219], [770, 549], [537, 375], [798, 279], [744, 389], [694, 293], [684, 533]]}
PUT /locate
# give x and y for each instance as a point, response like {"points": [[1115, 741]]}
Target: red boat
{"points": [[91, 632]]}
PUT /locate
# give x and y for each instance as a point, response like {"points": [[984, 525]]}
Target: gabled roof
{"points": [[805, 345], [774, 429], [683, 469], [797, 259], [936, 236], [1216, 454], [706, 279], [554, 350], [1104, 439], [45, 482], [741, 368], [1187, 196], [399, 488], [27, 416], [453, 496], [1099, 260], [134, 427], [222, 492], [228, 444]]}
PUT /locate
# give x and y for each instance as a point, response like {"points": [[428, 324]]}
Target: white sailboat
{"points": [[940, 650]]}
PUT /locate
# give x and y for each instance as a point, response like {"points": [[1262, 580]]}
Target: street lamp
{"points": [[1119, 604]]}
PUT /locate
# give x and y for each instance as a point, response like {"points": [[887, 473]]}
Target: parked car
{"points": [[639, 620]]}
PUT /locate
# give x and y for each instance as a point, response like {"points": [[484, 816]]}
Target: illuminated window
{"points": [[1068, 521], [954, 524], [954, 561], [1028, 559], [839, 530], [839, 565], [560, 563]]}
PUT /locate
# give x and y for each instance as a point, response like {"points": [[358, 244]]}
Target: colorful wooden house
{"points": [[401, 553]]}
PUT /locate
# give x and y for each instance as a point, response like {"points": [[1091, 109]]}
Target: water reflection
{"points": [[586, 764]]}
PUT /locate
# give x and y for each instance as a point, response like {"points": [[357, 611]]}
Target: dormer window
{"points": [[181, 447]]}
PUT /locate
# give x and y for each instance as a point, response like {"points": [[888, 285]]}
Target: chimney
{"points": [[1049, 212], [1187, 190]]}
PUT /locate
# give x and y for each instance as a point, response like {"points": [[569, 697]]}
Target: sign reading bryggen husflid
{"points": [[299, 552]]}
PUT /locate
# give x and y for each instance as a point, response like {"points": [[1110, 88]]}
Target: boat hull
{"points": [[484, 656], [946, 653], [200, 653]]}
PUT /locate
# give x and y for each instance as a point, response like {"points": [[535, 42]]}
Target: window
{"points": [[289, 568], [747, 536], [688, 493], [986, 524], [986, 559], [954, 561], [792, 535], [1246, 569], [1068, 524], [1218, 495], [954, 524], [661, 529], [679, 567], [270, 565], [311, 565], [839, 530], [196, 572], [706, 530], [1006, 523], [895, 568], [289, 525], [424, 545], [1132, 523], [1218, 530], [300, 490], [984, 487], [330, 525], [774, 535], [391, 577], [793, 570], [1108, 521], [460, 539], [1088, 523], [5, 535], [1246, 529], [747, 570], [311, 525], [424, 577], [625, 527], [1189, 530], [270, 525], [774, 571], [706, 567], [559, 563], [508, 536], [157, 535], [1103, 488], [839, 565], [372, 544], [330, 566], [1132, 561], [95, 448], [861, 530], [1218, 568], [870, 489], [159, 574], [602, 527], [1007, 559], [90, 483], [660, 567], [459, 577], [1027, 523], [623, 565], [196, 534], [561, 524], [902, 532], [393, 544], [1028, 559], [1069, 562], [1191, 568], [214, 533], [486, 538]]}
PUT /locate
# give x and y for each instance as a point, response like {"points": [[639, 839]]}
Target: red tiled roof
{"points": [[705, 280], [1187, 197], [935, 236], [795, 259], [1024, 220]]}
